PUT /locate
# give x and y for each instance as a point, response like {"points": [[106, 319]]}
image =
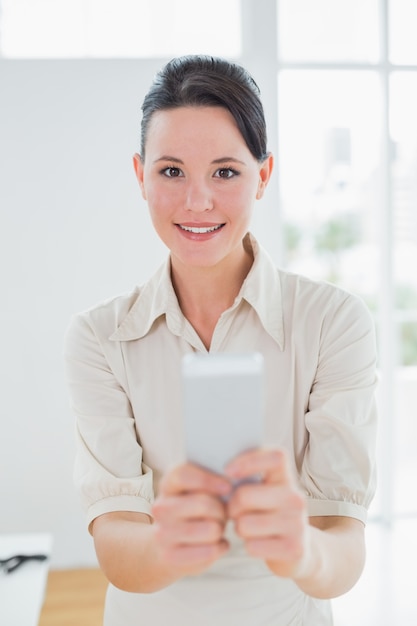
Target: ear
{"points": [[138, 166], [265, 172]]}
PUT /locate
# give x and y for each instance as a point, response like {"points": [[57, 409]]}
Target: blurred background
{"points": [[339, 85]]}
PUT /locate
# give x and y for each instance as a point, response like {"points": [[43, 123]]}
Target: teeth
{"points": [[194, 229]]}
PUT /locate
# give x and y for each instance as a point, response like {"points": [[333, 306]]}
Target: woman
{"points": [[176, 542]]}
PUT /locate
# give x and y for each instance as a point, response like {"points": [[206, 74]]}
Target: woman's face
{"points": [[200, 182]]}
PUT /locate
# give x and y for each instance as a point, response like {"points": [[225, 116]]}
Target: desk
{"points": [[22, 592]]}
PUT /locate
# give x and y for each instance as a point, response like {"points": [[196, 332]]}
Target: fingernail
{"points": [[225, 487], [232, 471]]}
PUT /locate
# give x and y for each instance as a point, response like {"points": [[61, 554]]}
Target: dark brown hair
{"points": [[200, 80]]}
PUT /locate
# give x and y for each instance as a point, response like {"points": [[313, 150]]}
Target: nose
{"points": [[198, 197]]}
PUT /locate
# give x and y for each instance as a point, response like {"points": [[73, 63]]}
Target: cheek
{"points": [[160, 200], [239, 201]]}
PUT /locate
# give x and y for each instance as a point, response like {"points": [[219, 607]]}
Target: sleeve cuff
{"points": [[135, 504], [333, 507]]}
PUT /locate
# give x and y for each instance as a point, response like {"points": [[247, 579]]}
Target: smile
{"points": [[200, 229]]}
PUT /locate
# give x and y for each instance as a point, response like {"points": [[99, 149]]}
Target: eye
{"points": [[172, 172], [226, 172]]}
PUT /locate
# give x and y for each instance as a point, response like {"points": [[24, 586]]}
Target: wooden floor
{"points": [[74, 598]]}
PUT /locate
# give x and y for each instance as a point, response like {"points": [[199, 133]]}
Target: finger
{"points": [[271, 464], [286, 551], [265, 497], [189, 532], [190, 506], [191, 478], [186, 556], [270, 524]]}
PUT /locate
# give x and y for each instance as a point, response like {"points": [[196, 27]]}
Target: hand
{"points": [[190, 517], [270, 516]]}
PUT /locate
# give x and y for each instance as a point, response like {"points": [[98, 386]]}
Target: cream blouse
{"points": [[123, 367]]}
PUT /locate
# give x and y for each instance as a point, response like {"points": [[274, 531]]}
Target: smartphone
{"points": [[223, 406]]}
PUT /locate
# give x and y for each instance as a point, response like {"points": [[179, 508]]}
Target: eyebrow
{"points": [[166, 157], [228, 160], [172, 159]]}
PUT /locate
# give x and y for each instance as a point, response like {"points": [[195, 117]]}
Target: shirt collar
{"points": [[261, 289], [156, 297]]}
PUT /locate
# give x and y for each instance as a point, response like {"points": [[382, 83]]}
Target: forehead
{"points": [[185, 127]]}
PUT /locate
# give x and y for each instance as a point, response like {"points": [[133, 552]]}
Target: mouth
{"points": [[200, 230]]}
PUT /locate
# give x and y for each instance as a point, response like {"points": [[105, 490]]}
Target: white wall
{"points": [[73, 230]]}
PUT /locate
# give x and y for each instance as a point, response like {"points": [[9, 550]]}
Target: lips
{"points": [[200, 230]]}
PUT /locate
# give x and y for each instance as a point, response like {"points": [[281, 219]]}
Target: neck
{"points": [[204, 293]]}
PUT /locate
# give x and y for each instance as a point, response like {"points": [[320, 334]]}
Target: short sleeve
{"points": [[109, 473], [338, 470]]}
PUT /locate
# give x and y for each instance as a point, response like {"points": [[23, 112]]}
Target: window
{"points": [[126, 28], [349, 31], [403, 129], [402, 21], [330, 131], [347, 96]]}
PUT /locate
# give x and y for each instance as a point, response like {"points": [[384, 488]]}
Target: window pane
{"points": [[329, 138], [403, 127], [126, 28], [326, 30], [403, 20]]}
